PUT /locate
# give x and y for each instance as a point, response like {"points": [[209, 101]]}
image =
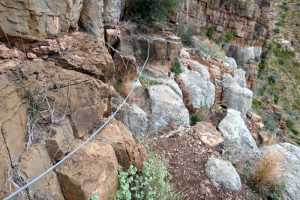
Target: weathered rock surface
{"points": [[184, 54], [166, 107], [14, 133], [91, 17], [247, 17], [100, 177], [231, 63], [222, 173], [239, 76], [201, 91], [243, 54], [38, 19], [161, 48], [113, 10], [196, 66], [85, 99], [208, 134], [86, 54], [195, 84], [291, 171], [135, 119], [62, 140], [4, 166], [34, 162], [238, 141], [119, 137], [234, 95]]}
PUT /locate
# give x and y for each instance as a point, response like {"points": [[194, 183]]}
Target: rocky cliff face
{"points": [[249, 18], [44, 19]]}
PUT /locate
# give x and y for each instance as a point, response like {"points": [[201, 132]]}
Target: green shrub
{"points": [[284, 15], [263, 63], [36, 106], [229, 35], [281, 62], [270, 122], [210, 32], [176, 68], [256, 104], [198, 116], [146, 81], [152, 182], [284, 6], [95, 197], [147, 11], [280, 23], [276, 30], [272, 80], [291, 127]]}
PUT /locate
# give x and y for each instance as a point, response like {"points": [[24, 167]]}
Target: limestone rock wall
{"points": [[38, 19], [49, 18], [249, 18]]}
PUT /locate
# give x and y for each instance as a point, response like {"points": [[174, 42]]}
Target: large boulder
{"points": [[234, 95], [198, 90], [238, 141], [201, 91], [166, 108], [222, 173], [34, 162], [38, 19], [290, 164], [92, 170]]}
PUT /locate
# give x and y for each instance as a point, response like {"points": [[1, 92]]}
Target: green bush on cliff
{"points": [[176, 68], [147, 11], [210, 32], [152, 182]]}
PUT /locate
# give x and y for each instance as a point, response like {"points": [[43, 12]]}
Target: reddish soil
{"points": [[186, 158]]}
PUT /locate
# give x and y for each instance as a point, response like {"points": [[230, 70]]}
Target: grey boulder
{"points": [[167, 108], [230, 62], [222, 173], [201, 91], [238, 141], [234, 95], [135, 119]]}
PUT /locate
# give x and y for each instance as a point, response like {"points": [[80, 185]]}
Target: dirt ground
{"points": [[186, 158]]}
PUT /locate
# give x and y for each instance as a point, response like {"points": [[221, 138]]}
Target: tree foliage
{"points": [[147, 11]]}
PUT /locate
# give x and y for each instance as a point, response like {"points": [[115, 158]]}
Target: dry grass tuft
{"points": [[267, 175]]}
